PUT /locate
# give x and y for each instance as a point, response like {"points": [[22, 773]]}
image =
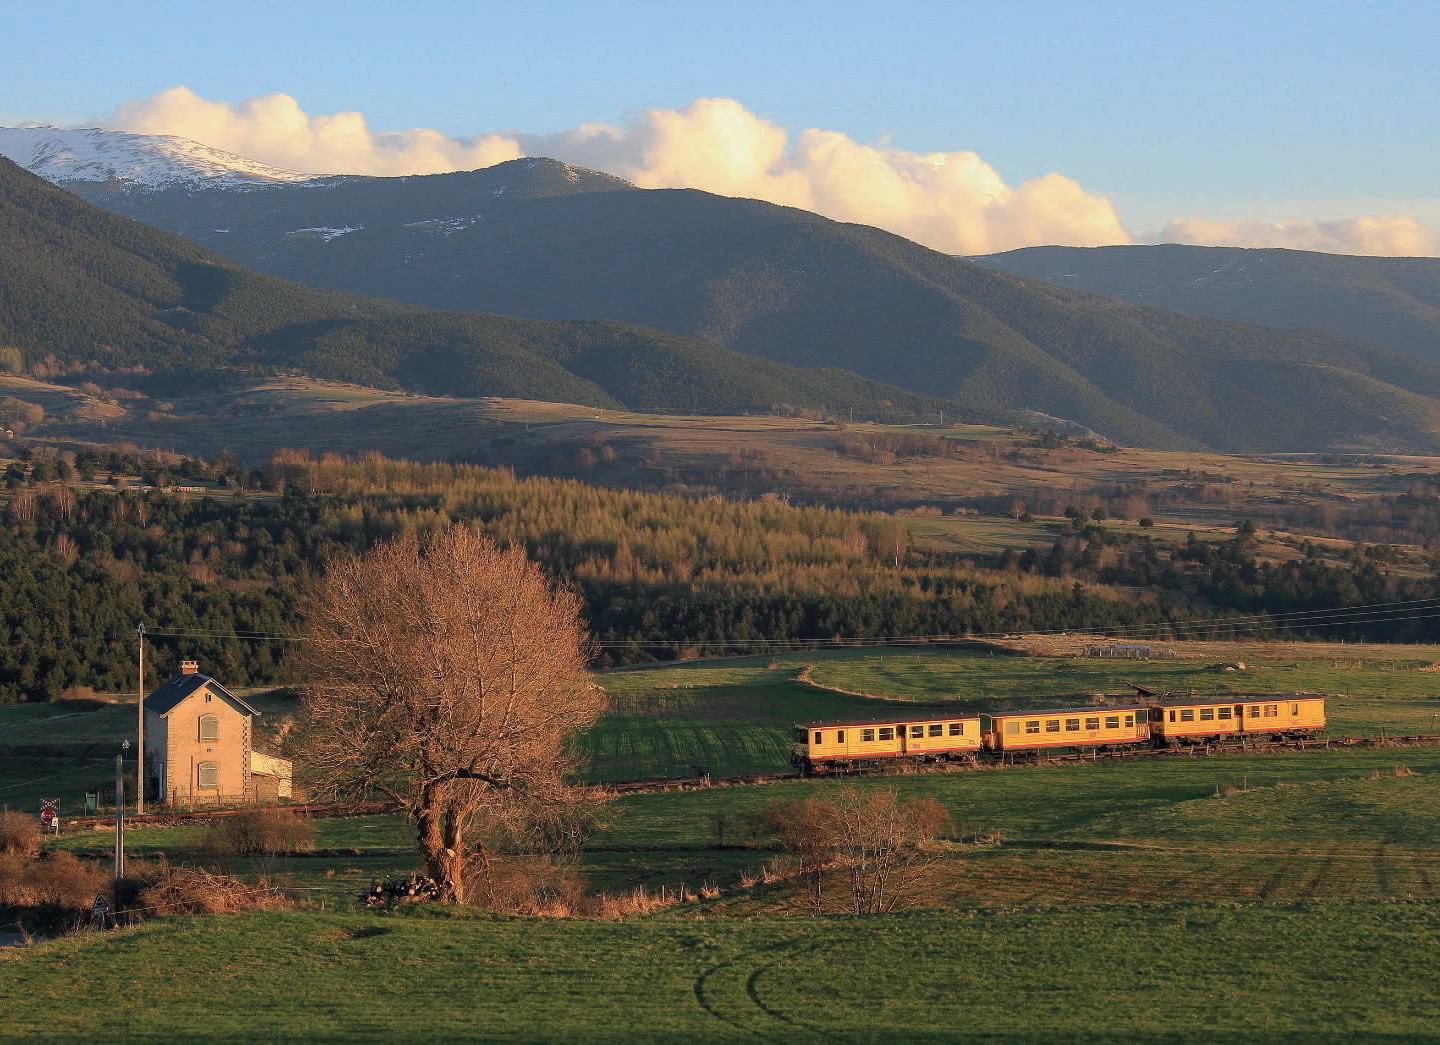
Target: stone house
{"points": [[200, 746]]}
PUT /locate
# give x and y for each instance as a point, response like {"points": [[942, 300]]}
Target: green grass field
{"points": [[1178, 972], [1224, 898], [735, 717]]}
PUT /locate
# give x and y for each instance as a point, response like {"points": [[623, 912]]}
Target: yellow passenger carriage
{"points": [[1197, 720], [1098, 728], [852, 744]]}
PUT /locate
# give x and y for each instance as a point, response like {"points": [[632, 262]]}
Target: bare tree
{"points": [[449, 674], [876, 844]]}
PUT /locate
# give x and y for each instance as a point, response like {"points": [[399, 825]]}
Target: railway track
{"points": [[658, 785], [982, 763]]}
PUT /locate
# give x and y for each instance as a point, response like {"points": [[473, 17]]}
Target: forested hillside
{"points": [[1394, 302], [524, 238], [662, 576], [85, 293]]}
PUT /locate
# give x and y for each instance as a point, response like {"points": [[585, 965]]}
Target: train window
{"points": [[1224, 712], [957, 729], [818, 736], [1172, 714], [1207, 714], [887, 733], [1112, 721], [1072, 725], [839, 736], [1033, 726], [867, 736], [1052, 725], [1272, 710], [1294, 709], [1129, 721], [1187, 714], [1092, 723], [917, 731], [937, 729], [1012, 727], [1254, 710]]}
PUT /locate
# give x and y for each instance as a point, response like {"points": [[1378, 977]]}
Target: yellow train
{"points": [[855, 744], [858, 744]]}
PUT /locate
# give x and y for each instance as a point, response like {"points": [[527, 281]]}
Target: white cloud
{"points": [[952, 201], [274, 129], [1378, 235]]}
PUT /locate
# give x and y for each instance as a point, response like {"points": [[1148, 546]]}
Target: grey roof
{"points": [[166, 698], [1101, 709], [892, 720], [1180, 700]]}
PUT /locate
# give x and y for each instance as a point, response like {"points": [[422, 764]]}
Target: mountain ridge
{"points": [[536, 239], [96, 292], [1393, 302]]}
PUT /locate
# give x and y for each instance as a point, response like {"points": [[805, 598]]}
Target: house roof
{"points": [[166, 698]]}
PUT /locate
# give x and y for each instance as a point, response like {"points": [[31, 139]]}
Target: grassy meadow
{"points": [[735, 717], [1204, 898], [1189, 972]]}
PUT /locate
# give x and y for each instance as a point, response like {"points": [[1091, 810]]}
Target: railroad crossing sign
{"points": [[49, 810]]}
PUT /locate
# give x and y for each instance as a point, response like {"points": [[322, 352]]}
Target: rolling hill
{"points": [[90, 292], [538, 239], [1394, 302]]}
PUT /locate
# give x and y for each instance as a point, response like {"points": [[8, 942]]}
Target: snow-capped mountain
{"points": [[143, 161]]}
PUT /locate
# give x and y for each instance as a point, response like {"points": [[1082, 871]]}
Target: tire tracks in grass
{"points": [[757, 1018]]}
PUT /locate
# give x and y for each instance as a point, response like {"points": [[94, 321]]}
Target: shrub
{"points": [[12, 876], [62, 880], [190, 890], [258, 832], [19, 833]]}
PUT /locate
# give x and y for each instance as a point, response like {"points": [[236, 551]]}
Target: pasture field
{"points": [[735, 717], [1223, 898], [1297, 827], [1180, 972], [801, 457]]}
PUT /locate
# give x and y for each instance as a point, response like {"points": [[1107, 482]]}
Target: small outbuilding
{"points": [[200, 746]]}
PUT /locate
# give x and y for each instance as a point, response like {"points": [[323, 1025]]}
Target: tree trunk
{"points": [[444, 855]]}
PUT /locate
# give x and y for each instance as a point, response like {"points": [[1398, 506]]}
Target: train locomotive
{"points": [[852, 745]]}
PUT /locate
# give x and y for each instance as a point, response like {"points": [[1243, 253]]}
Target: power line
{"points": [[1370, 613]]}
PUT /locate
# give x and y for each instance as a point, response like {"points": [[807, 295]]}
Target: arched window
{"points": [[207, 774], [209, 727]]}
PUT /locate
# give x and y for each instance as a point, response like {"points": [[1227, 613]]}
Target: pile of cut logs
{"points": [[402, 890]]}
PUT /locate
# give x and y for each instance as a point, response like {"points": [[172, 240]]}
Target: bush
{"points": [[63, 880], [189, 890], [12, 875], [258, 832], [19, 833], [57, 880]]}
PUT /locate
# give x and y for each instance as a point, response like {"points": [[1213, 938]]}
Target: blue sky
{"points": [[1257, 110]]}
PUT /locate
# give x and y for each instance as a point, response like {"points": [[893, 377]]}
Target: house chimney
{"points": [[189, 667]]}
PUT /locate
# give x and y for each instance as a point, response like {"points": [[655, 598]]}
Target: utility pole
{"points": [[120, 820], [140, 730]]}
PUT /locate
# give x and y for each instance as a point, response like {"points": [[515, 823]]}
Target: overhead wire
{"points": [[1367, 613]]}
